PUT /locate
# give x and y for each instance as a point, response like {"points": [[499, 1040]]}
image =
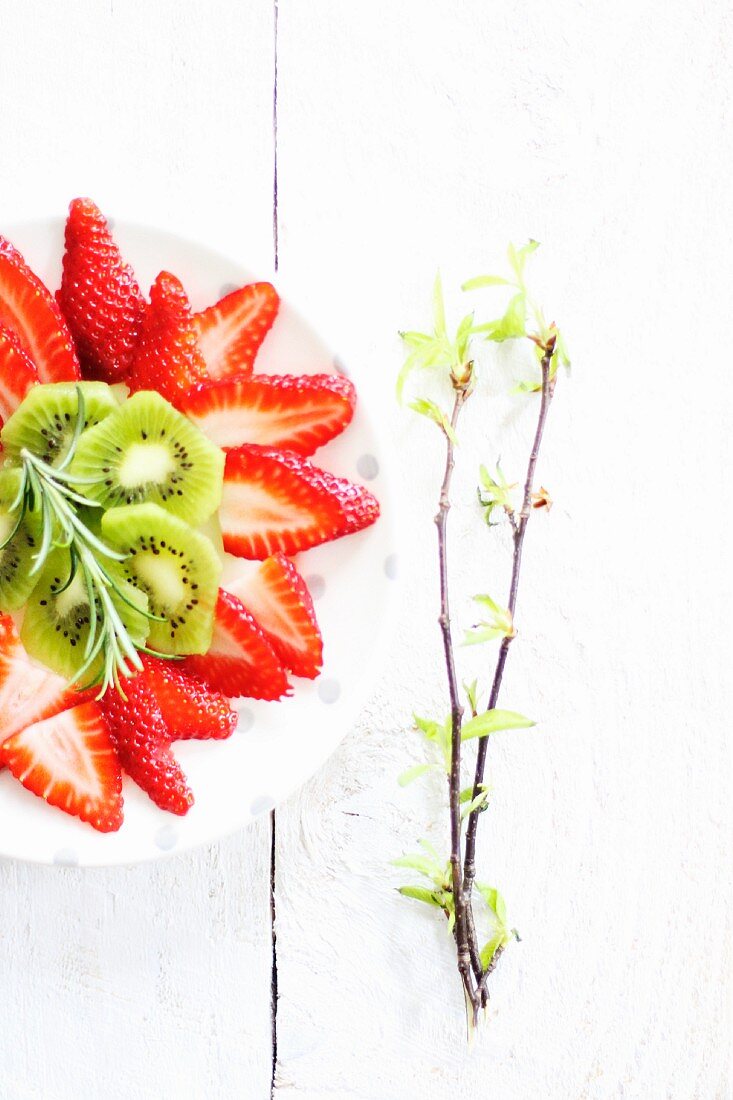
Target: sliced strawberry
{"points": [[17, 373], [143, 745], [70, 761], [167, 358], [278, 501], [278, 597], [189, 708], [27, 307], [99, 296], [240, 660], [28, 692], [300, 412], [230, 333]]}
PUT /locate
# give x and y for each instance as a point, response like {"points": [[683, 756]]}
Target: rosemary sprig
{"points": [[48, 490]]}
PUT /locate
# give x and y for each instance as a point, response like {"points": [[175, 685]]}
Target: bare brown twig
{"points": [[519, 528], [465, 966]]}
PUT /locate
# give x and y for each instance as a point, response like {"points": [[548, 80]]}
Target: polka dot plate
{"points": [[276, 746]]}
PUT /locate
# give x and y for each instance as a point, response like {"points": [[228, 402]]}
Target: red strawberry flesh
{"points": [[278, 597], [28, 309], [189, 707], [298, 412], [99, 296], [142, 739], [240, 660], [167, 358], [230, 333], [17, 373], [28, 692], [277, 501], [70, 761]]}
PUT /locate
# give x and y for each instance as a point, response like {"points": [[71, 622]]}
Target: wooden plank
{"points": [[151, 982], [419, 134]]}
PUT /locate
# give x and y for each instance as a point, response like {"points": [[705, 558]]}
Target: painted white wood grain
{"points": [[410, 136], [151, 982], [414, 135]]}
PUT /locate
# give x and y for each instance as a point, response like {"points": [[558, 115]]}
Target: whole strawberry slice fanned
{"points": [[231, 331], [277, 501], [70, 761], [299, 412], [278, 597], [28, 692], [189, 707], [17, 373], [28, 309], [99, 296], [167, 358], [142, 739], [240, 660]]}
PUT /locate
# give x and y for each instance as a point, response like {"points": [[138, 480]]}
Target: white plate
{"points": [[276, 745]]}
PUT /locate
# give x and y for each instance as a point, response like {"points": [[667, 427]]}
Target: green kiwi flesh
{"points": [[176, 567], [148, 452], [16, 557], [55, 626], [45, 420]]}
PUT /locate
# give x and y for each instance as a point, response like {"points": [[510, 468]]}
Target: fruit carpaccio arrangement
{"points": [[138, 442]]}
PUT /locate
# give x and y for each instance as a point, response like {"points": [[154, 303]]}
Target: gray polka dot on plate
{"points": [[66, 857], [316, 585], [166, 837], [390, 566], [367, 467], [246, 720], [227, 288], [329, 691], [262, 805]]}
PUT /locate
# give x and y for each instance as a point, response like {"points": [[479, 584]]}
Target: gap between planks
{"points": [[273, 821]]}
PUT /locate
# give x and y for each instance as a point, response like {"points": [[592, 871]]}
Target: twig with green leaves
{"points": [[452, 882]]}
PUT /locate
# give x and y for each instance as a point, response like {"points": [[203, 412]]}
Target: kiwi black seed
{"points": [[148, 452], [16, 556], [176, 567], [45, 420], [56, 622]]}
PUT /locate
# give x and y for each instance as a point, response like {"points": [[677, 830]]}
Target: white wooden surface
{"points": [[412, 135]]}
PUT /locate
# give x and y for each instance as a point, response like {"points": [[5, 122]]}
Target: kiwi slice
{"points": [[147, 451], [45, 420], [55, 625], [176, 567], [16, 555]]}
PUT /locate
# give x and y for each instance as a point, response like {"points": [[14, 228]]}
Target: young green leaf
{"points": [[498, 625], [435, 413], [467, 793], [499, 939], [439, 307], [478, 803], [424, 865], [511, 325], [518, 257], [494, 901], [481, 281], [494, 492], [410, 774], [471, 691], [420, 893], [492, 721]]}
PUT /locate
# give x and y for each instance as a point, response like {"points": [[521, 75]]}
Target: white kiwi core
{"points": [[74, 596], [144, 463], [162, 576]]}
